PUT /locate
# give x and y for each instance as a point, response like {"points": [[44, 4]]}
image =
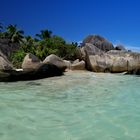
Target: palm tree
{"points": [[1, 27], [14, 34], [28, 44], [44, 34]]}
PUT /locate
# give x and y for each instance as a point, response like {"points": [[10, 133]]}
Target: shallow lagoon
{"points": [[76, 106]]}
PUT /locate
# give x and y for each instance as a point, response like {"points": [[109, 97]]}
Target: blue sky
{"points": [[116, 20]]}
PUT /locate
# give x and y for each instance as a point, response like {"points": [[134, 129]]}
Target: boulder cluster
{"points": [[101, 56], [96, 54], [32, 69]]}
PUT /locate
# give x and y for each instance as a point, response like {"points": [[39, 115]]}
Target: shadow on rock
{"points": [[43, 71]]}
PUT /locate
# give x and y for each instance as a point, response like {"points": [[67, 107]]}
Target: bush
{"points": [[68, 51], [17, 58]]}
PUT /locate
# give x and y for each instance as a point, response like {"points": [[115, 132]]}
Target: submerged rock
{"points": [[33, 84]]}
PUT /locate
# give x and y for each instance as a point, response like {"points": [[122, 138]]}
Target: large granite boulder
{"points": [[55, 60], [108, 63], [100, 63], [114, 61], [30, 62], [131, 58], [76, 61], [100, 42], [5, 64], [7, 47], [42, 71], [133, 61], [118, 53], [120, 64], [48, 70], [90, 49], [88, 65], [78, 66], [68, 64], [126, 61]]}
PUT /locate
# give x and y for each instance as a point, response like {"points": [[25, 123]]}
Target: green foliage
{"points": [[49, 46], [12, 33], [42, 46], [68, 51], [44, 34], [28, 44], [17, 58], [57, 40]]}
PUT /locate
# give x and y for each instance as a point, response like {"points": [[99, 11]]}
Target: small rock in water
{"points": [[33, 84]]}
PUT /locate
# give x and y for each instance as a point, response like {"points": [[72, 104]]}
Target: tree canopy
{"points": [[42, 45]]}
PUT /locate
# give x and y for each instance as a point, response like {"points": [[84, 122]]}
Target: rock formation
{"points": [[78, 66], [55, 60], [43, 71], [30, 62], [5, 64], [96, 54], [100, 42], [7, 47]]}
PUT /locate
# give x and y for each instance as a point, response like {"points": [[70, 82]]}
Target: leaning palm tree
{"points": [[14, 34], [44, 34]]}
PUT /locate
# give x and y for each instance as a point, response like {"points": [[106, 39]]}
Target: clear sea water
{"points": [[76, 106]]}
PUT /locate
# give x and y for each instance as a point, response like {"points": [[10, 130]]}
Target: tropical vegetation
{"points": [[42, 45]]}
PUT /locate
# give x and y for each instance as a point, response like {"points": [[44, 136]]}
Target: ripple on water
{"points": [[76, 106]]}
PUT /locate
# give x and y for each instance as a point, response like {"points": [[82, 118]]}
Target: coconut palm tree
{"points": [[14, 34], [1, 27], [28, 44], [44, 34]]}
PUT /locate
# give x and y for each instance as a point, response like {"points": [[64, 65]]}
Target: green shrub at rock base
{"points": [[17, 58]]}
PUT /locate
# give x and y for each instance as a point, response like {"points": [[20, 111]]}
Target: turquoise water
{"points": [[77, 106]]}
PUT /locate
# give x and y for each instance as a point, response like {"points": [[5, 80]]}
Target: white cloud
{"points": [[79, 43], [133, 48]]}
